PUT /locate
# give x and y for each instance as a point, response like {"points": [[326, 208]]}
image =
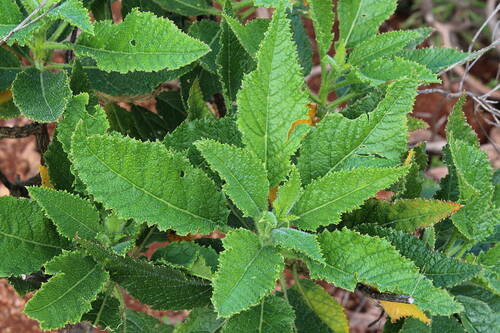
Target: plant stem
{"points": [[56, 46], [60, 29]]}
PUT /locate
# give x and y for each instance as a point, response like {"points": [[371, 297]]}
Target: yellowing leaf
{"points": [[401, 310], [44, 175], [5, 96]]}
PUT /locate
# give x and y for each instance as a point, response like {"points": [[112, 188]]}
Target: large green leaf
{"points": [[159, 286], [375, 139], [316, 310], [436, 59], [383, 45], [406, 214], [27, 238], [293, 239], [68, 295], [360, 19], [325, 199], [477, 316], [105, 312], [245, 176], [73, 12], [9, 67], [321, 12], [146, 182], [41, 96], [127, 46], [272, 315], [72, 215], [271, 99], [442, 270], [352, 258], [247, 272]]}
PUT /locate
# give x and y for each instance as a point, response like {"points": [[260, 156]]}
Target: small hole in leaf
{"points": [[133, 42], [181, 174]]}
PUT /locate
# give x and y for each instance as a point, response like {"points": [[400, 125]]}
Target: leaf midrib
{"points": [[29, 241]]}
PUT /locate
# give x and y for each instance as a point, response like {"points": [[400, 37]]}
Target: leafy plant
{"points": [[242, 149]]}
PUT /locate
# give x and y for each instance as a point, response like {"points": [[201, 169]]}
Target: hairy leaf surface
{"points": [[360, 19], [288, 194], [325, 199], [146, 182], [405, 214], [41, 96], [160, 46], [208, 32], [73, 12], [442, 270], [352, 258], [272, 315], [247, 272], [249, 35], [245, 175], [28, 238], [377, 139], [67, 296], [72, 215], [271, 99], [161, 287], [9, 67], [436, 59], [294, 239], [323, 18]]}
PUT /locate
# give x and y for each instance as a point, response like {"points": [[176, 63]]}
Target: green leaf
{"points": [[232, 61], [360, 19], [9, 67], [146, 182], [30, 239], [138, 322], [288, 194], [272, 315], [245, 177], [352, 258], [249, 35], [131, 83], [317, 311], [375, 139], [321, 12], [436, 59], [72, 215], [271, 99], [478, 218], [383, 70], [478, 316], [59, 166], [222, 130], [198, 260], [442, 270], [301, 39], [294, 239], [208, 32], [247, 272], [160, 46], [67, 296], [405, 214], [41, 96], [10, 17], [9, 12], [161, 287], [415, 124], [197, 108], [202, 320], [458, 125], [438, 325], [73, 12], [75, 110], [325, 199], [383, 45], [105, 312], [187, 7], [8, 109]]}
